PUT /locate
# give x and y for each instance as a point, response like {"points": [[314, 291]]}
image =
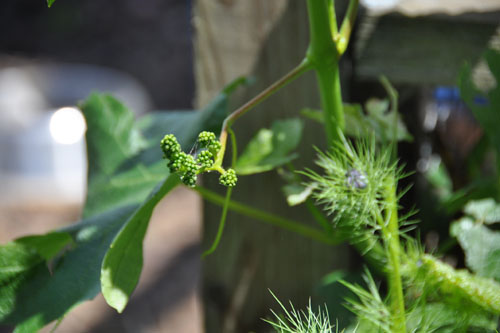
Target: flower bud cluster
{"points": [[188, 166], [228, 178]]}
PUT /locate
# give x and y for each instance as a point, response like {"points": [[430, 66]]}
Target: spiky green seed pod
{"points": [[205, 159], [206, 138], [354, 185], [169, 145], [228, 178]]}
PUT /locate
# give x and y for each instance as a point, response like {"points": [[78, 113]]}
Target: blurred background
{"points": [[50, 59], [177, 54]]}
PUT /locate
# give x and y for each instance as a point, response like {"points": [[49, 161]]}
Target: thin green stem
{"points": [[222, 223], [391, 238], [319, 217], [284, 223], [333, 19], [393, 97], [344, 35], [234, 148], [227, 200], [303, 67]]}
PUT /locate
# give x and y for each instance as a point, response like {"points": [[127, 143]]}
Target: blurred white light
{"points": [[67, 125], [380, 4]]}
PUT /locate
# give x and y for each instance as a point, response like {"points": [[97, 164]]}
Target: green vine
{"points": [[391, 238], [229, 179]]}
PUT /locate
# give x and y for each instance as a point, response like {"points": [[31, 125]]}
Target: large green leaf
{"points": [[136, 172], [122, 264], [111, 139], [45, 297], [270, 148], [481, 246], [20, 258], [125, 165], [16, 259], [50, 2], [16, 263]]}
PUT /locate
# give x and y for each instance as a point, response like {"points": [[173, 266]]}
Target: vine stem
{"points": [[393, 97], [323, 54], [331, 101], [394, 254], [342, 39], [227, 200], [324, 57], [332, 18], [287, 224], [303, 67], [222, 223]]}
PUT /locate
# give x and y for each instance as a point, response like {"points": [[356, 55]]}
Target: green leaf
{"points": [[382, 121], [356, 123], [125, 162], [481, 246], [112, 139], [438, 178], [20, 258], [296, 193], [50, 2], [125, 165], [122, 264], [270, 148], [378, 121], [316, 115], [44, 297], [185, 125], [48, 245], [260, 146], [111, 135], [16, 259], [484, 211]]}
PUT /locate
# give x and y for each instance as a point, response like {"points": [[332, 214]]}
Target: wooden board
{"points": [[254, 257], [426, 50]]}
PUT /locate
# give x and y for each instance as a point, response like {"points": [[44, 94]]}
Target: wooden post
{"points": [[253, 256]]}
